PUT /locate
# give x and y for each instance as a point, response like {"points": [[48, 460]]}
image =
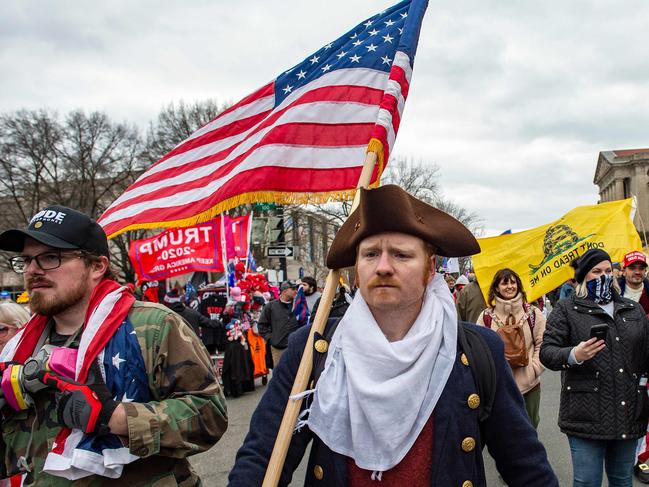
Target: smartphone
{"points": [[599, 331]]}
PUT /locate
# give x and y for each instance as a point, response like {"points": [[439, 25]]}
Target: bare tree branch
{"points": [[175, 123], [80, 162]]}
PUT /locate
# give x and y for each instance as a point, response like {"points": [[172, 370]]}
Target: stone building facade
{"points": [[622, 174]]}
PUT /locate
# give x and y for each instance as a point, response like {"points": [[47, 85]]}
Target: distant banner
{"points": [[150, 291], [453, 265], [237, 236], [542, 256], [178, 251]]}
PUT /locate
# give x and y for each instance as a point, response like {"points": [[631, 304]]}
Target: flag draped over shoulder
{"points": [[301, 138], [541, 256]]}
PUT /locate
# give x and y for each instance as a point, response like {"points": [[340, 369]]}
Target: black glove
{"points": [[87, 407]]}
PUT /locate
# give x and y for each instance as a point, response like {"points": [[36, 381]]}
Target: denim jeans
{"points": [[588, 457]]}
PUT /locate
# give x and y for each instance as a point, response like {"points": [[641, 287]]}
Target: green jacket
{"points": [[187, 413]]}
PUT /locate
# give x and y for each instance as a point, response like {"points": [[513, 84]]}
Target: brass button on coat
{"points": [[473, 401], [318, 472], [467, 483], [464, 360], [321, 346], [468, 444]]}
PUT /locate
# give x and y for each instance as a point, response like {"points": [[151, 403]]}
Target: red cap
{"points": [[633, 257]]}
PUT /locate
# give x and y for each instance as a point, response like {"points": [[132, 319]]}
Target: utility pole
{"points": [[281, 240]]}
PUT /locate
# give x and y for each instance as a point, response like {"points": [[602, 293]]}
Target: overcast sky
{"points": [[512, 99]]}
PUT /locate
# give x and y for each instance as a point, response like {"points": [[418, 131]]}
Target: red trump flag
{"points": [[237, 235], [178, 251], [301, 138]]}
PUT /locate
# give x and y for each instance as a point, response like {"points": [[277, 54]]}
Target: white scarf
{"points": [[374, 396]]}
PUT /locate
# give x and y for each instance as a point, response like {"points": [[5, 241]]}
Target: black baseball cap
{"points": [[59, 227]]}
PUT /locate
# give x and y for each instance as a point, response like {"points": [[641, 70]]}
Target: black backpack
{"points": [[471, 343]]}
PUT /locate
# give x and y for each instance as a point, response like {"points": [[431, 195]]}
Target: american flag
{"points": [[301, 308], [301, 138]]}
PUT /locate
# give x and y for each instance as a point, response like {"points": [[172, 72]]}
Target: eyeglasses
{"points": [[46, 261]]}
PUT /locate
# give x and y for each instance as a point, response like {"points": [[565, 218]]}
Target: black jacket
{"points": [[193, 317], [600, 399], [519, 455], [277, 322]]}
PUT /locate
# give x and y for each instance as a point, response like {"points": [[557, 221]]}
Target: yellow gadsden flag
{"points": [[541, 256]]}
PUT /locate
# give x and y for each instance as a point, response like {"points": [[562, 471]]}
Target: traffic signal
{"points": [[276, 229]]}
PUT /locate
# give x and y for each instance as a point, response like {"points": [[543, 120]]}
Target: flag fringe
{"points": [[282, 198], [242, 199]]}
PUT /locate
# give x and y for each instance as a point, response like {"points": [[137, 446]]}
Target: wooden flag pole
{"points": [[278, 456]]}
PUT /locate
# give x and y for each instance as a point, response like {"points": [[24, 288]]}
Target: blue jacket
{"points": [[512, 441]]}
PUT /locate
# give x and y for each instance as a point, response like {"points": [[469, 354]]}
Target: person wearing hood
{"points": [[174, 302], [460, 284], [600, 343]]}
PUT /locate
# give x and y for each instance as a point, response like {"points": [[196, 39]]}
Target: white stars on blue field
{"points": [[372, 44]]}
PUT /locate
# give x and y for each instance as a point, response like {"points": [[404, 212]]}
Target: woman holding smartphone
{"points": [[604, 404]]}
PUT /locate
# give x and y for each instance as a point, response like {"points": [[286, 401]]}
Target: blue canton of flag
{"points": [[230, 271], [252, 263], [124, 366], [371, 44], [126, 379], [300, 307], [190, 292]]}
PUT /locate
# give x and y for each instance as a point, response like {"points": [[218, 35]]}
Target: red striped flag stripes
{"points": [[300, 139]]}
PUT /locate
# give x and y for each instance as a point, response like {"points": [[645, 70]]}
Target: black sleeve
{"points": [[520, 457], [263, 325], [3, 467], [254, 455], [556, 345], [205, 322]]}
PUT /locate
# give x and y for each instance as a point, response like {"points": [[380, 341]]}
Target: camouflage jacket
{"points": [[186, 415]]}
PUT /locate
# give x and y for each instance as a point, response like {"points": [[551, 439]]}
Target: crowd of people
{"points": [[597, 335], [143, 392]]}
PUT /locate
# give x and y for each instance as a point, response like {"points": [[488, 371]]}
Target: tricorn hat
{"points": [[391, 209]]}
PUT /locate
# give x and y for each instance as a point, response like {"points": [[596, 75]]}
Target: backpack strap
{"points": [[482, 366], [531, 315]]}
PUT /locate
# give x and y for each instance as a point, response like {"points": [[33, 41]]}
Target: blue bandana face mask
{"points": [[599, 289]]}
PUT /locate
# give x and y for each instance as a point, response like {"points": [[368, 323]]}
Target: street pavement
{"points": [[213, 466]]}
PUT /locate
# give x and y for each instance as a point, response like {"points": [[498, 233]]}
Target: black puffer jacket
{"points": [[600, 399]]}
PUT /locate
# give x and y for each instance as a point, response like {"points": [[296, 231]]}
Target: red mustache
{"points": [[37, 280], [377, 282]]}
